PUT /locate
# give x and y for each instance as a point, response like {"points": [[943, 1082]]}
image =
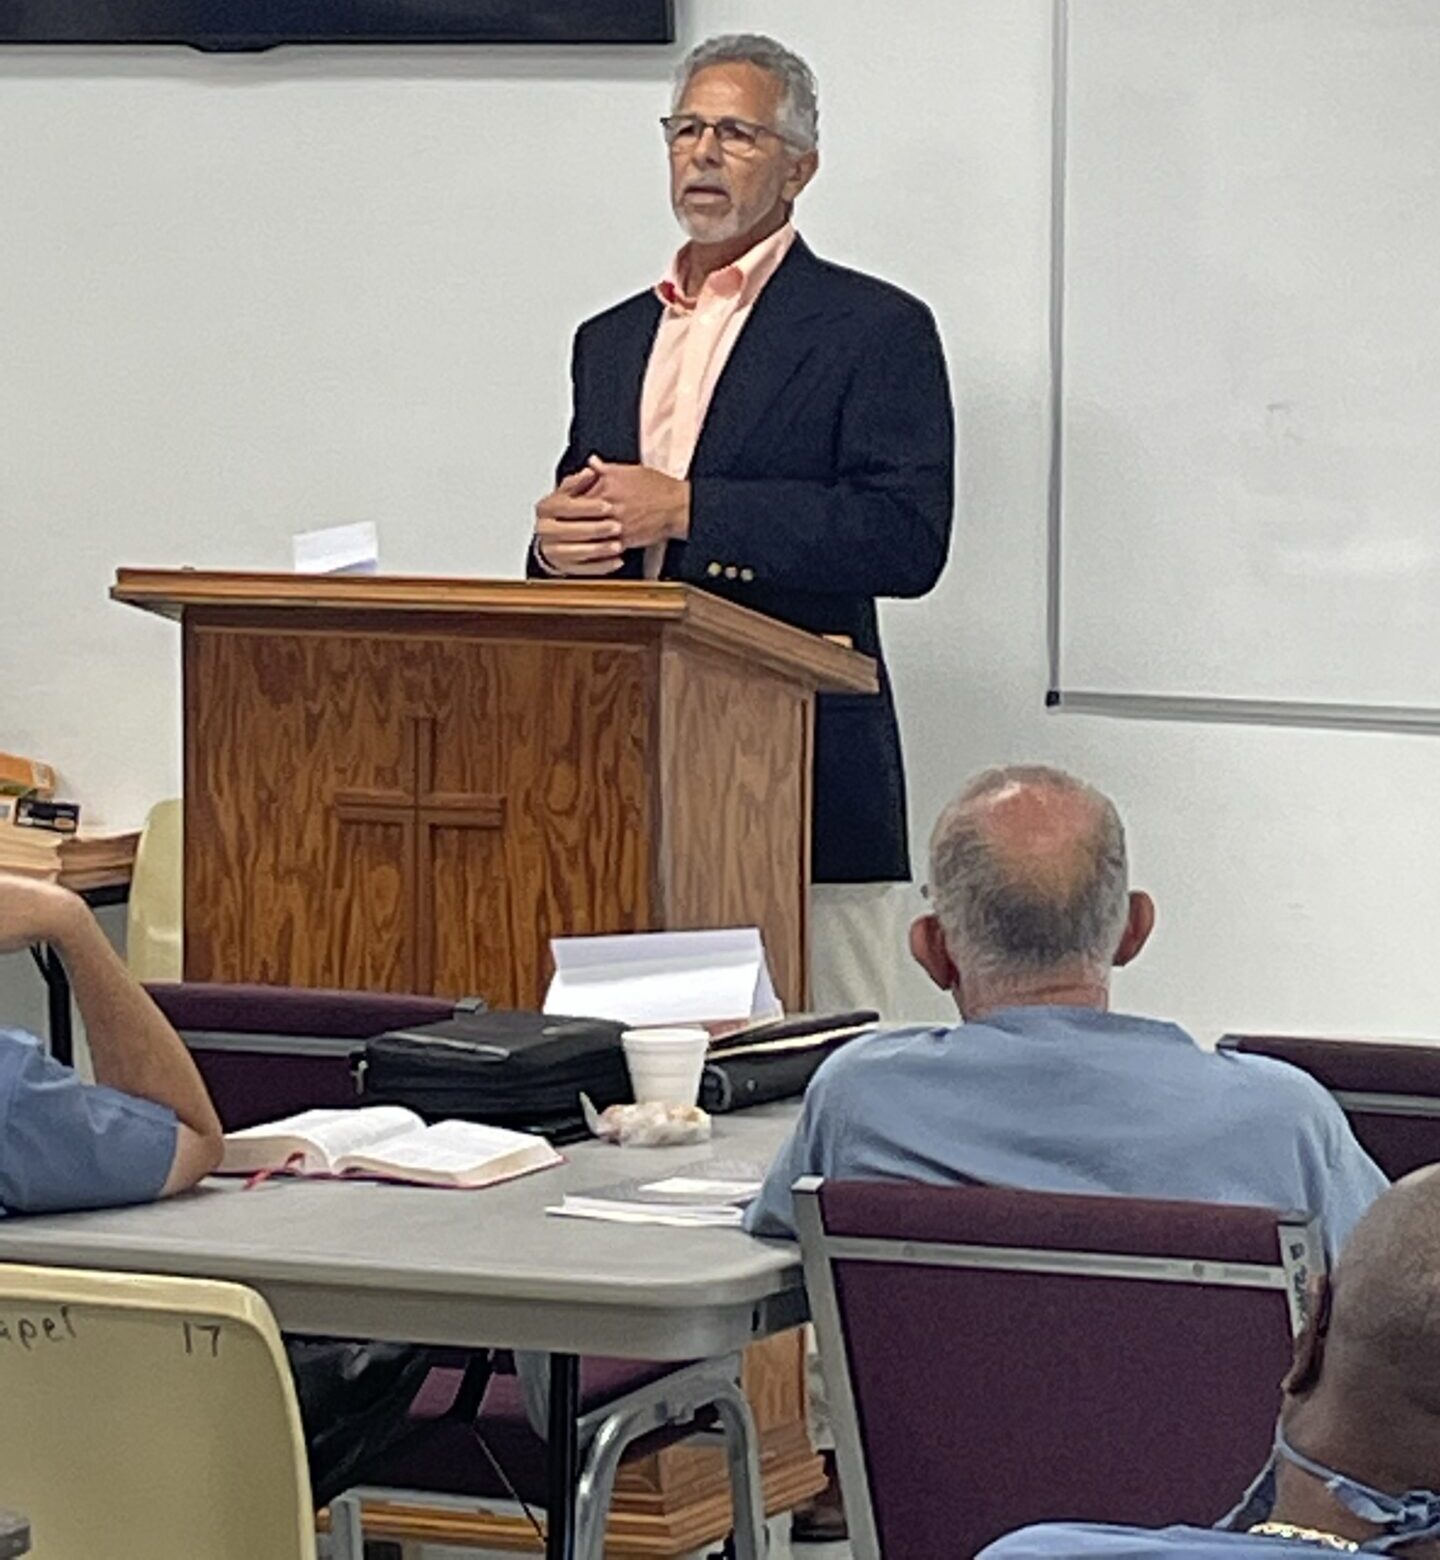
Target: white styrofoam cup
{"points": [[665, 1064]]}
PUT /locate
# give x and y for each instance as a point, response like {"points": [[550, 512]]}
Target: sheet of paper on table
{"points": [[712, 1194]]}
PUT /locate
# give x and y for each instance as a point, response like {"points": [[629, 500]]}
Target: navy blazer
{"points": [[823, 478]]}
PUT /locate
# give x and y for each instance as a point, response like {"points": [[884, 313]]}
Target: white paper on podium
{"points": [[663, 977], [338, 549]]}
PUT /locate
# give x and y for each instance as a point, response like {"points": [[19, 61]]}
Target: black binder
{"points": [[775, 1061]]}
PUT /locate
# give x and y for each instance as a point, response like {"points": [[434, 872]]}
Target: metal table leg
{"points": [[564, 1456], [57, 996]]}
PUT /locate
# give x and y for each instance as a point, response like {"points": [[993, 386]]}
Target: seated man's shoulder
{"points": [[18, 1049], [865, 1061], [1270, 1079]]}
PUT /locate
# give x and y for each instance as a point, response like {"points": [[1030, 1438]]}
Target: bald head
{"points": [[1385, 1298], [1364, 1393], [1028, 874]]}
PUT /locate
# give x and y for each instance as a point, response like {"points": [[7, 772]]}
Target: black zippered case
{"points": [[511, 1069]]}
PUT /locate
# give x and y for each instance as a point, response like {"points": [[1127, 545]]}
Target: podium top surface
{"points": [[692, 614]]}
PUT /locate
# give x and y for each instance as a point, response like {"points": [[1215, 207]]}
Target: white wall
{"points": [[1270, 460], [241, 297]]}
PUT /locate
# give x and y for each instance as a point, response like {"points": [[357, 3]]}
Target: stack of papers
{"points": [[708, 1195], [83, 860]]}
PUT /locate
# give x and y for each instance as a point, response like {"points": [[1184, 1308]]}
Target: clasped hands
{"points": [[588, 522]]}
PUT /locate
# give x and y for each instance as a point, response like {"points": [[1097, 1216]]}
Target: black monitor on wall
{"points": [[262, 24]]}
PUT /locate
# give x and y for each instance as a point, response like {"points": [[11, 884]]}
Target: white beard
{"points": [[711, 230]]}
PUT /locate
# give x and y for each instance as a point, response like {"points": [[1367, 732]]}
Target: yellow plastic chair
{"points": [[154, 928], [149, 1419]]}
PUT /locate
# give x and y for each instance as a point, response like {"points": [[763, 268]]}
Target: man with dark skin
{"points": [[1357, 1452]]}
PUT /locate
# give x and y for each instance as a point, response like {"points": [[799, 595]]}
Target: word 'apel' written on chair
{"points": [[149, 1419]]}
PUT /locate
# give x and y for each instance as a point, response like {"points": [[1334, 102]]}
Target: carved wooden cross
{"points": [[418, 815]]}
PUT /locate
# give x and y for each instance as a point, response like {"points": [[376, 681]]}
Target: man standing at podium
{"points": [[776, 429]]}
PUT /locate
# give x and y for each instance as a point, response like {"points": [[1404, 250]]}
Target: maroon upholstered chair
{"points": [[271, 1051], [999, 1357], [1390, 1091]]}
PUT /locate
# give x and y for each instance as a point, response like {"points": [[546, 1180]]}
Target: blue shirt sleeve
{"points": [[1351, 1182], [806, 1152], [773, 1212], [67, 1144]]}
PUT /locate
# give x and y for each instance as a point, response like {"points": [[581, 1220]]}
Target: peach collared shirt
{"points": [[692, 345]]}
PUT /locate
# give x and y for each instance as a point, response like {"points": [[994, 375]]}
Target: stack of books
{"points": [[25, 776], [42, 839], [80, 860]]}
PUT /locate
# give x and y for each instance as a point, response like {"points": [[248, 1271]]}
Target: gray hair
{"points": [[1006, 918], [799, 96]]}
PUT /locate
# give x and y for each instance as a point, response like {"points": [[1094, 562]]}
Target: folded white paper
{"points": [[663, 977], [338, 549]]}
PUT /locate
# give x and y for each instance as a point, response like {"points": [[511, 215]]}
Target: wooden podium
{"points": [[413, 784]]}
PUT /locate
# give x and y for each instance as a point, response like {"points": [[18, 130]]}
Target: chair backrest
{"points": [[1389, 1090], [998, 1357], [149, 1419], [270, 1051], [155, 919]]}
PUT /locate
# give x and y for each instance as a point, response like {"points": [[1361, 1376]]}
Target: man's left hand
{"points": [[650, 506]]}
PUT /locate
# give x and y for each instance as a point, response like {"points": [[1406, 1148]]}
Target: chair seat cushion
{"points": [[450, 1462]]}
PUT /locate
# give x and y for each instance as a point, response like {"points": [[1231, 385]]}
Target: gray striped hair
{"points": [[799, 97], [1003, 922]]}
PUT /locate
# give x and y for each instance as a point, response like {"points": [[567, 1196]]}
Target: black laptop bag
{"points": [[510, 1069]]}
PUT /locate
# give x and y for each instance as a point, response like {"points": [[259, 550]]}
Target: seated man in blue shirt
{"points": [[1357, 1452], [1044, 1087], [144, 1129], [147, 1129]]}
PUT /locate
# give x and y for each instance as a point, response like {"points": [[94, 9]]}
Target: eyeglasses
{"points": [[737, 137]]}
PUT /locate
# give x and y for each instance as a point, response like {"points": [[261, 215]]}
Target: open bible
{"points": [[388, 1143]]}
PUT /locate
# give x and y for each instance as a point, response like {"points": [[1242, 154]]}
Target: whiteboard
{"points": [[1246, 490]]}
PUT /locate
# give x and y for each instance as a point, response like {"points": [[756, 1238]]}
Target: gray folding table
{"points": [[469, 1269]]}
